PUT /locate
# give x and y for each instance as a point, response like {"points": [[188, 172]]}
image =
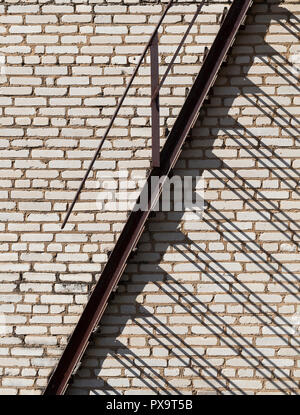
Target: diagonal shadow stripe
{"points": [[224, 332], [241, 293]]}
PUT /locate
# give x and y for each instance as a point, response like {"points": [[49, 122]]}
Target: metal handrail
{"points": [[115, 113], [177, 50], [132, 231], [153, 97]]}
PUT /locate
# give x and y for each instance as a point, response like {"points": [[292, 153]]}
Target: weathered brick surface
{"points": [[206, 305]]}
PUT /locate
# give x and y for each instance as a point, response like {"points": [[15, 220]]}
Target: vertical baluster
{"points": [[155, 103]]}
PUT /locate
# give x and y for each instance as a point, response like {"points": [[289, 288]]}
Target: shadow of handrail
{"points": [[204, 312]]}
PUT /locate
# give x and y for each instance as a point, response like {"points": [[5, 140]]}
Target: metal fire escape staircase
{"points": [[162, 164]]}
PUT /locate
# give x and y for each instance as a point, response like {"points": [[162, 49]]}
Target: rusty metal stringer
{"points": [[135, 224]]}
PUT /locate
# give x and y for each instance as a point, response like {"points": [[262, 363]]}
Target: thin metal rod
{"points": [[155, 103], [154, 95], [115, 115]]}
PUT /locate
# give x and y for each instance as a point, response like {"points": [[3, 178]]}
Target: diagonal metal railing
{"points": [[135, 224]]}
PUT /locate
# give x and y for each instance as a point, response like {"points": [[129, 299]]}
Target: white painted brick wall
{"points": [[205, 305]]}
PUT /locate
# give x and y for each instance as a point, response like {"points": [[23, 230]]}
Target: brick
{"points": [[15, 91], [23, 9], [40, 19], [11, 19], [25, 29], [11, 132], [56, 299], [61, 49], [119, 30], [50, 91], [65, 101], [17, 382], [249, 384], [30, 101]]}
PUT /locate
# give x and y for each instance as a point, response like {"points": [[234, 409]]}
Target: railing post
{"points": [[155, 124]]}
